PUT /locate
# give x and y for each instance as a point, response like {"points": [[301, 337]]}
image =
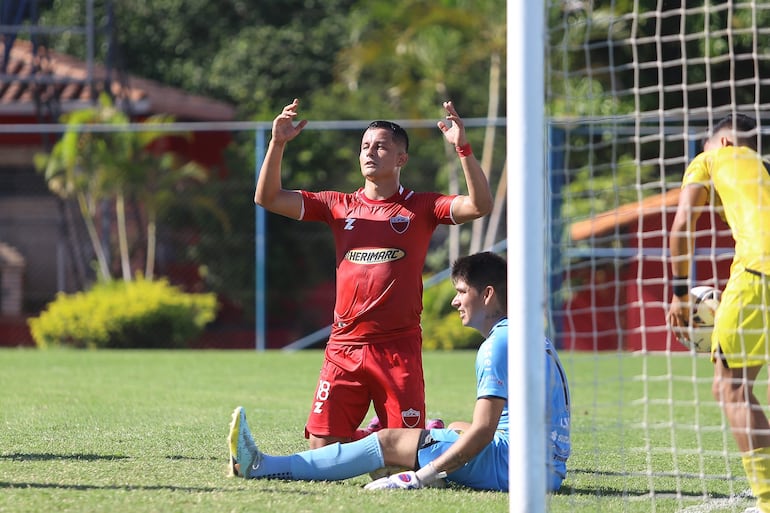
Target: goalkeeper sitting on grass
{"points": [[472, 454]]}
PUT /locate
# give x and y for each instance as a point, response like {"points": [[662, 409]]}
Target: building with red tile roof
{"points": [[37, 85], [618, 276]]}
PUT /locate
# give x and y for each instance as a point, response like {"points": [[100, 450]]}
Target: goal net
{"points": [[632, 88]]}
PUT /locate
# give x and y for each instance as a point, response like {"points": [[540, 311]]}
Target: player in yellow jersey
{"points": [[731, 174]]}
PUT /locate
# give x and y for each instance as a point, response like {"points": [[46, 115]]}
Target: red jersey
{"points": [[381, 248]]}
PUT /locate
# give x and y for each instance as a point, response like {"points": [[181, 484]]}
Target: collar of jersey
{"points": [[501, 322], [392, 198]]}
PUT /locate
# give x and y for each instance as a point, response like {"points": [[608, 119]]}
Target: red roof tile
{"points": [[606, 222], [52, 75]]}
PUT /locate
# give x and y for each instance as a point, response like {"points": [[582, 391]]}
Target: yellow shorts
{"points": [[742, 322]]}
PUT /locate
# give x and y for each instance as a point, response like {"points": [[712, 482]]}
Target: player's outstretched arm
{"points": [[479, 200], [680, 248], [270, 193]]}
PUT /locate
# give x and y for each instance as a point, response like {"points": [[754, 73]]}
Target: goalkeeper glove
{"points": [[408, 480]]}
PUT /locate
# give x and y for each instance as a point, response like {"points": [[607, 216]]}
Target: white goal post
{"points": [[526, 161]]}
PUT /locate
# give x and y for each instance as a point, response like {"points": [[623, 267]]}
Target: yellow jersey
{"points": [[742, 187]]}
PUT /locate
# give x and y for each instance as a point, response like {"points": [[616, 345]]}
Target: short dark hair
{"points": [[745, 129], [399, 134], [480, 270]]}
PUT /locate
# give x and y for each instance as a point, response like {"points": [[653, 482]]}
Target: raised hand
{"points": [[455, 131], [284, 129]]}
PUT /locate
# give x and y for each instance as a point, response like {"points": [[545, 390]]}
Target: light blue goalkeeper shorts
{"points": [[487, 471]]}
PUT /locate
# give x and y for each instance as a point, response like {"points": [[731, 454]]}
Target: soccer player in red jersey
{"points": [[381, 232]]}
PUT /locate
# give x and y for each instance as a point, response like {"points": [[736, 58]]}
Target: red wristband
{"points": [[464, 150]]}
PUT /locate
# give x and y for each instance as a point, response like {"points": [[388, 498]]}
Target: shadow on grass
{"points": [[82, 487], [151, 488], [92, 457], [568, 489], [59, 457], [620, 492]]}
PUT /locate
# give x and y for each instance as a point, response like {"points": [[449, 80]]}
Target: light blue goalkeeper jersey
{"points": [[492, 369], [492, 380], [558, 415], [488, 470]]}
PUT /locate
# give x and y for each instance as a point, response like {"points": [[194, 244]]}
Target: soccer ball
{"points": [[705, 301]]}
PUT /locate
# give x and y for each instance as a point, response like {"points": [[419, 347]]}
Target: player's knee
{"points": [[724, 391], [399, 446], [316, 442], [716, 389], [388, 439], [728, 391]]}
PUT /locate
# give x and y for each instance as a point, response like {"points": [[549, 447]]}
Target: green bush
{"points": [[441, 326], [119, 314]]}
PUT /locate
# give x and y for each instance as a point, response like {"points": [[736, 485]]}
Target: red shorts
{"points": [[388, 375]]}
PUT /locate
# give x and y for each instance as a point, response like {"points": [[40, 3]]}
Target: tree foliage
{"points": [[256, 55]]}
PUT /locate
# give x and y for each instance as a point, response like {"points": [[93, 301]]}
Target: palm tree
{"points": [[158, 189], [70, 172], [116, 165]]}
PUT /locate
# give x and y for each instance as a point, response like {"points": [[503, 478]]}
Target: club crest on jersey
{"points": [[374, 255], [399, 224], [410, 417]]}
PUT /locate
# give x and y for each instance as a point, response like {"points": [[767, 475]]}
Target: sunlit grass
{"points": [[145, 431]]}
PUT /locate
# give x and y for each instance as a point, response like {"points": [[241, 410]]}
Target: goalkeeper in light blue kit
{"points": [[472, 454]]}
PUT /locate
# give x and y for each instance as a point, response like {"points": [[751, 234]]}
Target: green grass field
{"points": [[144, 431]]}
